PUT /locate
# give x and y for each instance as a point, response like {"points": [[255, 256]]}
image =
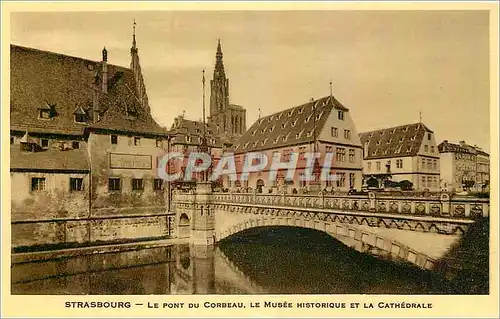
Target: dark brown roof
{"points": [[66, 84], [55, 160], [399, 141], [182, 129], [289, 127], [447, 147]]}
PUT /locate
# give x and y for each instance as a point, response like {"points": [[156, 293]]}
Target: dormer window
{"points": [[44, 114], [309, 134], [283, 125], [294, 123], [44, 143], [307, 119], [272, 128], [47, 111], [246, 145], [290, 113], [276, 140], [80, 115], [301, 110], [319, 116], [80, 118]]}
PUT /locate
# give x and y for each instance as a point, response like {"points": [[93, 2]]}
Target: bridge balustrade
{"points": [[439, 205]]}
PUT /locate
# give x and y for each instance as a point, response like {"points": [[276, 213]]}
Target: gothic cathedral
{"points": [[229, 118]]}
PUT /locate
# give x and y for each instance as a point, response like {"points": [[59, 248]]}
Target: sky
{"points": [[387, 67]]}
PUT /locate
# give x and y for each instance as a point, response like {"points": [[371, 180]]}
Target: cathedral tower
{"points": [[229, 118]]}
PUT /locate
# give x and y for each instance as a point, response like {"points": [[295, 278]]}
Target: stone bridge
{"points": [[417, 230]]}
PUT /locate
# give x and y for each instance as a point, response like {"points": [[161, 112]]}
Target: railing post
{"points": [[371, 197], [445, 204]]}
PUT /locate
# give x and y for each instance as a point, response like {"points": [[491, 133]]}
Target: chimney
{"points": [[104, 70], [462, 143], [446, 141]]}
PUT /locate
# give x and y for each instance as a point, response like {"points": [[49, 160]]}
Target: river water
{"points": [[270, 260]]}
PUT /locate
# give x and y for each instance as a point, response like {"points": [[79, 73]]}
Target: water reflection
{"points": [[261, 260]]}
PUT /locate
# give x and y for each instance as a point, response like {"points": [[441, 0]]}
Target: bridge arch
{"points": [[353, 232]]}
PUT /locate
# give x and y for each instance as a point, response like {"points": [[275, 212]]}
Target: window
{"points": [[378, 166], [428, 136], [334, 132], [80, 118], [340, 154], [352, 155], [347, 134], [158, 142], [45, 143], [137, 184], [114, 184], [44, 114], [114, 139], [12, 140], [75, 145], [37, 184], [158, 184], [137, 141], [399, 163], [329, 149], [75, 184], [341, 115], [426, 148], [432, 149], [369, 166], [352, 180], [340, 179]]}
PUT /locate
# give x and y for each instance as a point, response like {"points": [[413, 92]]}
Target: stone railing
{"points": [[443, 205]]}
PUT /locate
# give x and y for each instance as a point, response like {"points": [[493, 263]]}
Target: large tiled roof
{"points": [[188, 132], [399, 141], [289, 127], [54, 160], [65, 84]]}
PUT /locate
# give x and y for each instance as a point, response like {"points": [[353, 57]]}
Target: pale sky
{"points": [[385, 66]]}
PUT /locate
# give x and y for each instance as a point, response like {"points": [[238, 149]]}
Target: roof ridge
{"points": [[64, 55], [305, 104], [393, 127]]}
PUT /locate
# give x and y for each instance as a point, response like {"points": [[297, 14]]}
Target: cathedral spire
{"points": [[133, 49], [219, 64]]}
